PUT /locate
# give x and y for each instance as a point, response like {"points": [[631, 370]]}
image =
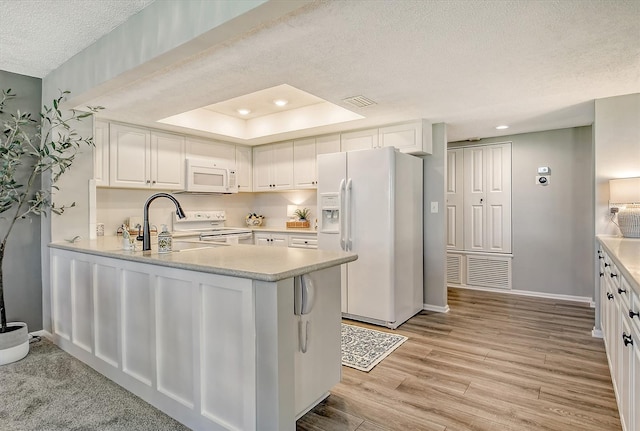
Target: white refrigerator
{"points": [[370, 203]]}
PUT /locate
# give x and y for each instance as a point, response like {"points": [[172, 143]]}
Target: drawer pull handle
{"points": [[609, 296], [633, 314], [601, 274], [621, 290], [627, 339], [607, 264], [600, 257], [613, 275]]}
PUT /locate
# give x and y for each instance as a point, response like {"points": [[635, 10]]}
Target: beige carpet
{"points": [[49, 390]]}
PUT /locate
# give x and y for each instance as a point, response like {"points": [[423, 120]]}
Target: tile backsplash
{"points": [[115, 206]]}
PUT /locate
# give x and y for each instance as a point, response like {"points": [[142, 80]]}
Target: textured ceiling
{"points": [[37, 36], [535, 65]]}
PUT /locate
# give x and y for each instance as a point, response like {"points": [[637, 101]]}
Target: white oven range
{"points": [[209, 226]]}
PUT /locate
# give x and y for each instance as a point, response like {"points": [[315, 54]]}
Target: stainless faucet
{"points": [[146, 232]]}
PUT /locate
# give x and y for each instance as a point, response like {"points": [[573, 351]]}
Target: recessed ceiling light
{"points": [[244, 111], [280, 102], [502, 127]]}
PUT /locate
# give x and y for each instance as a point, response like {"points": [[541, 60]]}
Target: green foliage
{"points": [[302, 214], [28, 149]]}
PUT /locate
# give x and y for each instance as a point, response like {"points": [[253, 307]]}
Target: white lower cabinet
{"points": [[293, 240], [271, 239], [303, 241], [620, 324]]}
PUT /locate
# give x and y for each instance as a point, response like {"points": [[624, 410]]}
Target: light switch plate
{"points": [[544, 170]]}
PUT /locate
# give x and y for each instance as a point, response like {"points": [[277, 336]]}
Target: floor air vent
{"points": [[489, 272], [454, 268]]}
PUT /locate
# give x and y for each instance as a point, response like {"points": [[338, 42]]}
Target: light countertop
{"points": [[626, 253], [243, 261]]}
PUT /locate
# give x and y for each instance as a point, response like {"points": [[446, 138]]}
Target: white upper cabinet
{"points": [[101, 153], [273, 167], [411, 138], [167, 161], [220, 152], [305, 152], [304, 164], [359, 140], [143, 159], [328, 144], [243, 168]]}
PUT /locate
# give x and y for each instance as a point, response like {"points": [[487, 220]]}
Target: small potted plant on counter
{"points": [[30, 148], [303, 218]]}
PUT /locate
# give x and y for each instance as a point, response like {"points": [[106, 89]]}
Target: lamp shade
{"points": [[624, 191]]}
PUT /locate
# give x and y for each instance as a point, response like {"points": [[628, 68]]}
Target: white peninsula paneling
{"points": [[137, 332]]}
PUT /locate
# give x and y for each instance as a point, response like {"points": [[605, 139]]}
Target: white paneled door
{"points": [[487, 198], [455, 199]]}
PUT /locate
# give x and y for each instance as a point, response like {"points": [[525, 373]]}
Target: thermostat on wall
{"points": [[544, 170], [542, 180]]}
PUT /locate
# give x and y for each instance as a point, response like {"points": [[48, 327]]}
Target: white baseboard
{"points": [[586, 299], [597, 333], [436, 308]]}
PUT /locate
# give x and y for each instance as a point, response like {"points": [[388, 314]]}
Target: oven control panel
{"points": [[199, 220]]}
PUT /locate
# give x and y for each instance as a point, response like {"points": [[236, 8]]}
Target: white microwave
{"points": [[206, 176]]}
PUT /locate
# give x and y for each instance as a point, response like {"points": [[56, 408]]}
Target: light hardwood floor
{"points": [[494, 362]]}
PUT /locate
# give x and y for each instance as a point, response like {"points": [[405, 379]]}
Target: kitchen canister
{"points": [[164, 240], [100, 229]]}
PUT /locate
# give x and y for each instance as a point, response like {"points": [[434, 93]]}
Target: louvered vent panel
{"points": [[454, 269], [359, 101], [488, 272]]}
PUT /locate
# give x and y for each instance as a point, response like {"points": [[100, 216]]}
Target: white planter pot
{"points": [[14, 345]]}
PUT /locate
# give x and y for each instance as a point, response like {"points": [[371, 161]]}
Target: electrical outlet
{"points": [[434, 207]]}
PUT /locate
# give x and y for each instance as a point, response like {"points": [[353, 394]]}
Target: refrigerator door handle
{"points": [[343, 236], [348, 216]]}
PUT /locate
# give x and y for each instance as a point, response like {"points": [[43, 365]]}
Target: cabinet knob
{"points": [[609, 296], [153, 182], [601, 274], [627, 339], [621, 290], [148, 181], [633, 314]]}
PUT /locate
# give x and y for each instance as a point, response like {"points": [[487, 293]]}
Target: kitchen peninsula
{"points": [[207, 334]]}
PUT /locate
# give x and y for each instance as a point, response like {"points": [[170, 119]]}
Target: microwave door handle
{"points": [[226, 180]]}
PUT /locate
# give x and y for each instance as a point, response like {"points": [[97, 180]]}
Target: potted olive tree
{"points": [[29, 148]]}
